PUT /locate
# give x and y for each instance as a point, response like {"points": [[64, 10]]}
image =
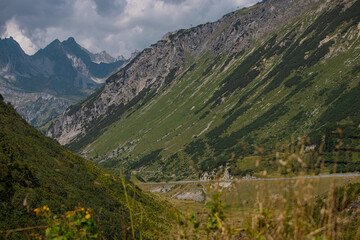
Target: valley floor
{"points": [[235, 191], [240, 199], [345, 175]]}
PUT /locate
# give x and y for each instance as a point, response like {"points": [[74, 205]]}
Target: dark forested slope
{"points": [[37, 171]]}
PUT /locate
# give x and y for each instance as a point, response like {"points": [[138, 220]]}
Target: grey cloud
{"points": [[108, 24], [35, 13], [112, 7], [174, 1]]}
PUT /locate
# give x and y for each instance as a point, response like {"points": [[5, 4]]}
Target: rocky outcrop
{"points": [[36, 108], [162, 61], [104, 57]]}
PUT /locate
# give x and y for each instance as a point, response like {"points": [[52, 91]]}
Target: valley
{"points": [[247, 127], [241, 199], [213, 106]]}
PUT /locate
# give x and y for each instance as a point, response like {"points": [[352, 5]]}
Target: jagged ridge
{"points": [[63, 73]]}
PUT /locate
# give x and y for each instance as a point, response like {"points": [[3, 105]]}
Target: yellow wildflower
{"points": [[87, 216], [46, 208], [69, 213], [37, 210]]}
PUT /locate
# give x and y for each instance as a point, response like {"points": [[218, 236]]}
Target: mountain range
{"points": [[43, 85], [262, 91], [209, 96]]}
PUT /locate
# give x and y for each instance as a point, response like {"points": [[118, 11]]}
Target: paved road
{"points": [[345, 175]]}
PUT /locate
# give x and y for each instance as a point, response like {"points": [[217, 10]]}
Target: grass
{"points": [[37, 171], [283, 209], [246, 192], [185, 111], [171, 138], [301, 208]]}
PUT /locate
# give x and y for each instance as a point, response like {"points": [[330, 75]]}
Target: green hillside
{"points": [[302, 80], [37, 171]]}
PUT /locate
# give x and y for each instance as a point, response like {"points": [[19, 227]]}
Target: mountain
{"points": [[43, 85], [205, 97], [13, 58], [104, 57], [37, 171]]}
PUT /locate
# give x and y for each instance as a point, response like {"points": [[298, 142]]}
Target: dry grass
{"points": [[299, 208]]}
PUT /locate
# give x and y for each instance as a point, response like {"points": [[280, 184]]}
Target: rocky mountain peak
{"points": [[104, 57], [71, 40], [11, 53], [60, 69], [134, 54], [54, 43], [120, 58], [10, 48]]}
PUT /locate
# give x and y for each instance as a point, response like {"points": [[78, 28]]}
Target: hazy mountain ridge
{"points": [[36, 108], [104, 57], [63, 70], [13, 58], [203, 110]]}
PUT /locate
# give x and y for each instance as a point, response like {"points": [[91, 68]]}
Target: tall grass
{"points": [[128, 205], [293, 211]]}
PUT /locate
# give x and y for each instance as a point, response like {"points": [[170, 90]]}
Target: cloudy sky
{"points": [[117, 26]]}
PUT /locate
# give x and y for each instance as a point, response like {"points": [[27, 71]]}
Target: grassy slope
{"points": [[37, 171], [297, 81]]}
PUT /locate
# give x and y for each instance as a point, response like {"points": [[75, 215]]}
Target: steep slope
{"points": [[37, 171], [168, 58], [43, 85], [206, 95], [13, 58]]}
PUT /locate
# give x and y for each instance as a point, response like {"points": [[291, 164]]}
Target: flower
{"points": [[87, 216], [37, 210], [46, 208]]}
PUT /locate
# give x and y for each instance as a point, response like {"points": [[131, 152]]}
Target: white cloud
{"points": [[13, 30], [117, 26]]}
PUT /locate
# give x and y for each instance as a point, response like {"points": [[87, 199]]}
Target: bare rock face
{"points": [[36, 108], [104, 57], [232, 33]]}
